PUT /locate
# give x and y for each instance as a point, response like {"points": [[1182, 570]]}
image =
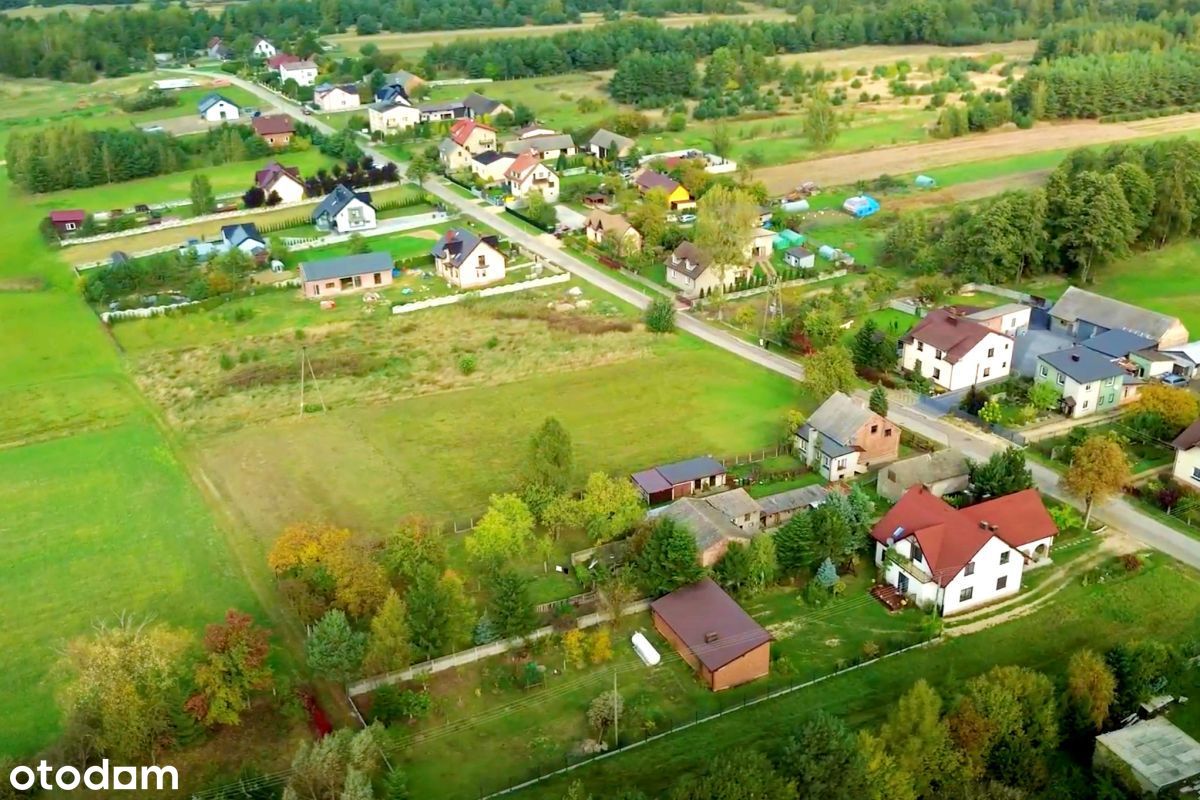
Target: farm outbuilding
{"points": [[925, 182], [786, 239], [795, 205], [860, 206]]}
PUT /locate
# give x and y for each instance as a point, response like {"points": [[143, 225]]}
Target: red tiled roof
{"points": [[522, 165], [949, 333], [68, 215], [275, 61], [273, 124], [461, 130], [951, 537]]}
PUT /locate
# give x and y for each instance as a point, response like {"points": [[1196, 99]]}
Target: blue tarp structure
{"points": [[826, 252], [860, 206], [925, 182]]}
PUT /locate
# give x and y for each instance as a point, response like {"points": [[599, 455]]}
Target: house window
{"points": [[841, 464], [939, 355], [69, 226], [481, 262], [917, 555], [801, 445], [1044, 372], [920, 347], [874, 429], [1001, 582], [887, 432], [937, 373], [1111, 397], [969, 569], [1062, 379], [378, 278], [966, 594], [1087, 388], [330, 285], [987, 371], [1004, 556], [1085, 403], [1109, 381], [1196, 473], [991, 352], [355, 215], [316, 289], [1003, 365], [892, 474]]}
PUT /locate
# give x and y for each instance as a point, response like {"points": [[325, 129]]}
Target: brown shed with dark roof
{"points": [[711, 632]]}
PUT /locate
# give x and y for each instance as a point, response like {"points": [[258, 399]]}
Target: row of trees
{"points": [[1093, 209]]}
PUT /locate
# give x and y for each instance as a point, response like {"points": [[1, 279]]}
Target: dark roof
{"points": [[950, 333], [1118, 343], [480, 105], [1080, 304], [449, 105], [951, 537], [267, 175], [649, 179], [692, 469], [489, 157], [692, 260], [792, 499], [339, 198], [345, 266], [457, 244], [710, 624], [1082, 365], [391, 94], [245, 231], [1189, 438], [271, 124], [210, 100], [68, 215], [799, 252]]}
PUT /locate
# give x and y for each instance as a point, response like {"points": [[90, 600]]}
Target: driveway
{"points": [[1033, 343], [569, 217]]}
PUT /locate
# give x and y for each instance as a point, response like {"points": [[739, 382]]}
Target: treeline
{"points": [[1112, 83], [1095, 208], [70, 156], [1090, 38], [1008, 734]]}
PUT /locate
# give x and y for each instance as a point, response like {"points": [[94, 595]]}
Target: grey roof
{"points": [[1189, 352], [554, 141], [804, 497], [1158, 753], [447, 146], [236, 234], [1118, 343], [210, 100], [929, 468], [1081, 364], [839, 418], [691, 470], [392, 94], [339, 198], [998, 311], [458, 243], [448, 105], [480, 105], [1080, 304], [799, 252], [345, 266], [707, 525], [490, 157], [734, 503], [609, 140]]}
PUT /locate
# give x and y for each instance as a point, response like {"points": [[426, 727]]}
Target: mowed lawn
{"points": [[443, 454], [1162, 603]]}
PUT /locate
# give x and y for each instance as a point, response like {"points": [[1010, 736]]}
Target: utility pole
{"points": [[616, 713], [305, 361]]}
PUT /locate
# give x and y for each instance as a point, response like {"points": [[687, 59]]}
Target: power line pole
{"points": [[616, 713], [305, 361]]}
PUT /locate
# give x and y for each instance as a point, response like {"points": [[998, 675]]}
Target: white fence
{"points": [[1020, 297], [905, 305], [483, 651], [143, 313], [509, 288], [837, 273]]}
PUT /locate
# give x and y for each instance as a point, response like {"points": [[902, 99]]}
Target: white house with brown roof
{"points": [[843, 437], [690, 270], [955, 352], [602, 226], [283, 181], [304, 73], [1187, 456], [528, 174], [468, 261], [954, 560], [330, 98]]}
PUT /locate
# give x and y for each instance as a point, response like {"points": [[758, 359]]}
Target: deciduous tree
{"points": [[828, 371], [387, 644], [609, 507], [920, 744], [1004, 473], [725, 221], [504, 532], [551, 457], [1099, 469], [737, 775], [824, 760], [203, 200], [1162, 411], [820, 120], [233, 670], [1090, 691]]}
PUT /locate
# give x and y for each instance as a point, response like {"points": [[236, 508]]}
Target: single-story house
{"points": [[467, 260], [737, 506], [616, 228], [332, 276], [690, 270], [1186, 358], [491, 166], [608, 146], [243, 236], [479, 106], [283, 181], [1009, 319], [843, 437], [535, 128], [958, 559], [1187, 456], [713, 634], [709, 526], [680, 479], [215, 108], [388, 116], [1154, 752], [779, 508], [344, 210], [275, 129], [799, 257], [1085, 314], [304, 73], [943, 472], [678, 198], [443, 112], [528, 174], [336, 98], [955, 352], [548, 147], [404, 79], [1087, 381], [67, 220]]}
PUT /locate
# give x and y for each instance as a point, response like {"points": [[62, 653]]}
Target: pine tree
{"points": [[827, 573], [879, 401]]}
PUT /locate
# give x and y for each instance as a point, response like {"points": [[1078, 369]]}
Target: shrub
{"points": [[226, 361], [660, 315], [871, 650], [466, 364], [1132, 562]]}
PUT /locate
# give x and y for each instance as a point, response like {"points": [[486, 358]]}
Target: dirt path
{"points": [[869, 164]]}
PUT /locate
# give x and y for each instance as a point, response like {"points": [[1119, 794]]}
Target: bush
{"points": [[1132, 562], [466, 364], [660, 315], [226, 361]]}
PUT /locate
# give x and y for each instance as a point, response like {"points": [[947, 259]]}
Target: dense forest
{"points": [[1084, 38], [1096, 207]]}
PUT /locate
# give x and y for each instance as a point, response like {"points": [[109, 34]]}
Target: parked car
{"points": [[1174, 380], [687, 219]]}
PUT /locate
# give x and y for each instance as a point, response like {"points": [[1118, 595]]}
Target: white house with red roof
{"points": [[958, 559], [467, 138], [955, 352], [528, 174]]}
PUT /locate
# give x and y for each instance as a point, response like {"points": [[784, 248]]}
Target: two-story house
{"points": [[528, 174], [843, 437], [1086, 381], [283, 181], [466, 260], [691, 271], [1187, 456], [467, 138], [304, 73], [602, 226], [330, 98], [955, 352], [263, 48], [392, 116], [954, 560], [343, 210], [215, 108]]}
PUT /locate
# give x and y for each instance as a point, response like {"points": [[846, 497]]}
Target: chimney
{"points": [[710, 637], [451, 235], [1075, 356], [983, 525]]}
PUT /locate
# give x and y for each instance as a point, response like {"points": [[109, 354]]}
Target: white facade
{"points": [[337, 99], [994, 573], [483, 265], [539, 178], [288, 188], [1187, 467], [263, 49], [800, 262], [356, 216], [304, 73], [988, 360], [392, 119], [221, 110]]}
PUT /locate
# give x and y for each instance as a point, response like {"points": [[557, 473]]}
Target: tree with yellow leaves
{"points": [[600, 647], [304, 551], [573, 653], [1099, 469]]}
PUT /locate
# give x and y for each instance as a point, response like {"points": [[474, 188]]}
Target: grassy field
{"points": [[553, 98], [514, 733], [1162, 601]]}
